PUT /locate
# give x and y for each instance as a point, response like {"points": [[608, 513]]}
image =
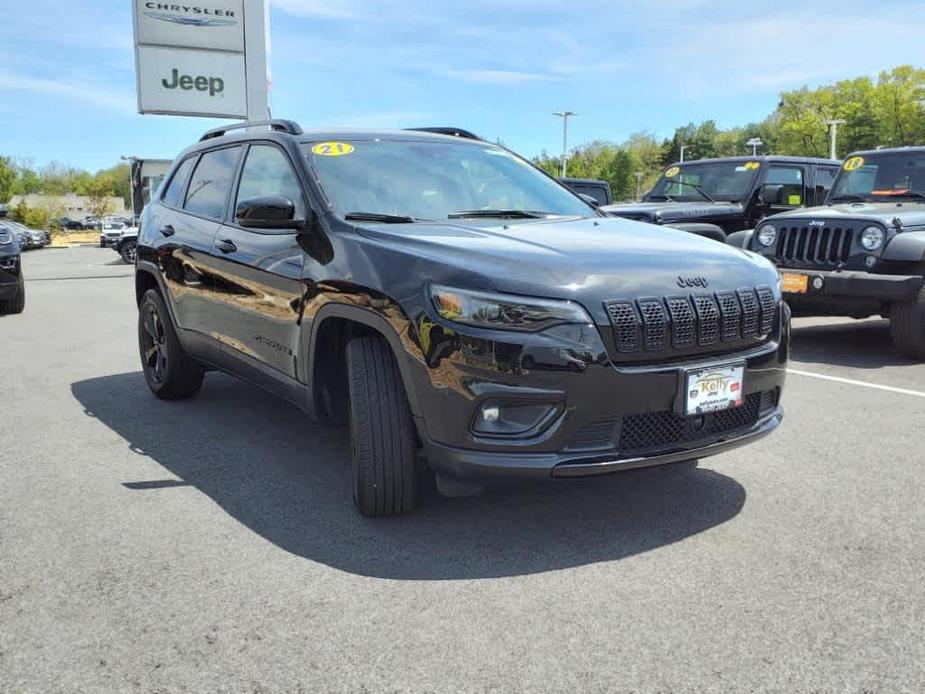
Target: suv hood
{"points": [[675, 211], [588, 260], [910, 213]]}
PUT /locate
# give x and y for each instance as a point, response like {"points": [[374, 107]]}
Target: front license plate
{"points": [[714, 388], [793, 283]]}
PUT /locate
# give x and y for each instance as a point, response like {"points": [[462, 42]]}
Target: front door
{"points": [[257, 272]]}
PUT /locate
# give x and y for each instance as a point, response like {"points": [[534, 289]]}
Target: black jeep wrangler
{"points": [[863, 252], [12, 286], [442, 295], [715, 197]]}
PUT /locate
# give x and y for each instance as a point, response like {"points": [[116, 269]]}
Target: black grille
{"points": [[661, 430], [817, 246], [596, 436], [686, 323]]}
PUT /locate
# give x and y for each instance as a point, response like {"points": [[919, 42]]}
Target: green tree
{"points": [[7, 179]]}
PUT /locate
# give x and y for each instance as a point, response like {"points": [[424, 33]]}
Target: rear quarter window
{"points": [[173, 195]]}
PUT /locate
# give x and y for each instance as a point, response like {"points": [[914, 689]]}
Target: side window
{"points": [[825, 177], [173, 196], [791, 178], [211, 181], [267, 172]]}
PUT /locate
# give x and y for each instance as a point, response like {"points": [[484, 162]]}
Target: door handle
{"points": [[167, 230], [226, 246]]}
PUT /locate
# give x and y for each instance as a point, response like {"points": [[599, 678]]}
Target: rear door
{"points": [[258, 272], [191, 216], [792, 178]]}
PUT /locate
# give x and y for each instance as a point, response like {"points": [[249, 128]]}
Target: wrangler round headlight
{"points": [[767, 235], [872, 238]]}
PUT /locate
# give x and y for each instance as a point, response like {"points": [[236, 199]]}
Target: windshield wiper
{"points": [[379, 217], [695, 187], [847, 198], [661, 196], [496, 214]]}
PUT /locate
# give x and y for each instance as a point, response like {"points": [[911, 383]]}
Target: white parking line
{"points": [[852, 382]]}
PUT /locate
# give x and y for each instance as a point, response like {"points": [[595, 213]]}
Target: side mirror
{"points": [[771, 194], [590, 199], [267, 212]]}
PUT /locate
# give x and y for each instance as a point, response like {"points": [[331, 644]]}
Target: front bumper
{"points": [[856, 285], [485, 467], [611, 416]]}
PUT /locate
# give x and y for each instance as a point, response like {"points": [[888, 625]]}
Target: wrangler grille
{"points": [[820, 246], [661, 430], [693, 323]]}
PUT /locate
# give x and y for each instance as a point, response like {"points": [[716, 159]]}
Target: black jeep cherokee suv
{"points": [[861, 254], [715, 197], [12, 287], [441, 294]]}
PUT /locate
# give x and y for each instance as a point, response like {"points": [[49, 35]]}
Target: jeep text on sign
{"points": [[192, 82], [214, 25]]}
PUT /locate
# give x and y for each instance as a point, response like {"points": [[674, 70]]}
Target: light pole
{"points": [[683, 147], [754, 143], [564, 115], [833, 124], [131, 182], [638, 183]]}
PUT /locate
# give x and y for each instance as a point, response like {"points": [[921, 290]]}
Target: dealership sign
{"points": [[201, 59]]}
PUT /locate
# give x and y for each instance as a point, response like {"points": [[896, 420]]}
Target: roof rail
{"points": [[455, 132], [278, 124]]}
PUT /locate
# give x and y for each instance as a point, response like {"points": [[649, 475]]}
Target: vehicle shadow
{"points": [[288, 479], [860, 344]]}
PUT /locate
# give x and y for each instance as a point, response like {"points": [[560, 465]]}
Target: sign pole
{"points": [[255, 54]]}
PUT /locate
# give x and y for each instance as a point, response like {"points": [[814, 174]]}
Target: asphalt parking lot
{"points": [[211, 545]]}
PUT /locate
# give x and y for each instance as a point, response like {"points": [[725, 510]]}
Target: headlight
{"points": [[872, 238], [505, 311], [767, 235]]}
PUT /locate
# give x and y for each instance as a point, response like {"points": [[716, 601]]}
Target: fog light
{"points": [[491, 413], [512, 419], [870, 261], [818, 282]]}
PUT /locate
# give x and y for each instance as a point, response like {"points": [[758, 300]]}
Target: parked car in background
{"points": [[110, 233], [28, 238], [597, 192], [71, 224], [715, 197], [507, 331], [863, 252], [12, 286]]}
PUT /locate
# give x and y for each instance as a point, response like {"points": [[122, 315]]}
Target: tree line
{"points": [[887, 112], [21, 177]]}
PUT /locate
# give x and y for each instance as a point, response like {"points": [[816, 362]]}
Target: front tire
{"points": [[381, 430], [907, 326], [16, 303], [169, 372]]}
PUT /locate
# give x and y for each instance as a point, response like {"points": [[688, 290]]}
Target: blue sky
{"points": [[498, 67]]}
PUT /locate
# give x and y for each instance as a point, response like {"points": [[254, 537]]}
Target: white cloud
{"points": [[498, 77], [384, 119], [61, 89]]}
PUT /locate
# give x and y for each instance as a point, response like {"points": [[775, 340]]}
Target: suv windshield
{"points": [[722, 180], [881, 177], [408, 180]]}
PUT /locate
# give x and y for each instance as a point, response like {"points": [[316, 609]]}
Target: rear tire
{"points": [[381, 430], [169, 372], [907, 326]]}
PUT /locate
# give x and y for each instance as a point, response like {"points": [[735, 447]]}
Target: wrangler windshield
{"points": [[435, 180], [724, 180], [887, 176]]}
